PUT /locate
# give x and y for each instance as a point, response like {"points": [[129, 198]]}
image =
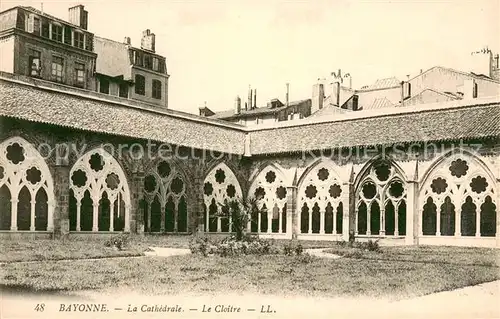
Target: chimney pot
{"points": [[148, 40], [78, 16], [255, 98], [126, 40]]}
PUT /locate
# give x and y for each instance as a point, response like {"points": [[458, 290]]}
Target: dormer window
{"points": [[78, 39], [57, 32]]}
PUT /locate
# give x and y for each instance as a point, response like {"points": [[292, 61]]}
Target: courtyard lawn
{"points": [[93, 247], [273, 274], [425, 254]]}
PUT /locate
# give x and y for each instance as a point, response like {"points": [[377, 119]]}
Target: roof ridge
{"points": [[134, 105]]}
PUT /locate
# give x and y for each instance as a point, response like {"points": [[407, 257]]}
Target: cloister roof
{"points": [[474, 119], [45, 105]]}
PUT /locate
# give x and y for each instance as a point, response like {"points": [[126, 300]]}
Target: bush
{"points": [[305, 258], [118, 241], [293, 248], [370, 246], [232, 247], [200, 245]]}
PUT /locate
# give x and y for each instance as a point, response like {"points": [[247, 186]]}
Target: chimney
{"points": [[126, 40], [79, 16], [254, 98], [249, 105], [287, 94], [470, 89], [237, 105], [317, 97], [405, 91], [337, 98], [148, 40]]}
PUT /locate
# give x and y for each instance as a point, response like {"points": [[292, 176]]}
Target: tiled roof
{"points": [[257, 111], [380, 103], [454, 120], [383, 84], [27, 102], [420, 124], [329, 110]]}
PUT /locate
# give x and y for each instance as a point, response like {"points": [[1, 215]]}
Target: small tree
{"points": [[240, 211]]}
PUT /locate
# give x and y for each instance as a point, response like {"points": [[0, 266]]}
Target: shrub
{"points": [[370, 246], [254, 246], [118, 241], [200, 245], [293, 248], [305, 258]]}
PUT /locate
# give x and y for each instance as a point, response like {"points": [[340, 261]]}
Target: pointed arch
{"points": [[165, 184], [93, 174], [269, 188], [458, 183], [381, 187], [320, 188], [22, 167], [219, 185]]}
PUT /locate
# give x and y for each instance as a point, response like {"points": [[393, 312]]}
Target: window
{"points": [[57, 31], [104, 86], [79, 74], [34, 63], [138, 58], [67, 34], [89, 43], [33, 24], [156, 89], [140, 85], [57, 69], [78, 39], [45, 28], [123, 91], [148, 61], [156, 64]]}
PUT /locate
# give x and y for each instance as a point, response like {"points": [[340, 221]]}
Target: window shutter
{"points": [[31, 23]]}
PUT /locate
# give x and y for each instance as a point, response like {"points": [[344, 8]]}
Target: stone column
{"points": [[137, 210], [162, 222], [13, 213], [412, 214], [292, 218], [346, 211], [61, 194], [200, 225], [498, 217]]}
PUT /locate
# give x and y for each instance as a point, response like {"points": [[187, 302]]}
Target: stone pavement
{"points": [[166, 252]]}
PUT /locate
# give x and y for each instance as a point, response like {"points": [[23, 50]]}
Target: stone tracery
{"points": [[457, 198], [220, 184], [270, 191], [165, 195], [320, 204], [381, 201], [99, 194], [26, 188]]}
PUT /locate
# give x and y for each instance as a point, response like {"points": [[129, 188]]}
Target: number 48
{"points": [[40, 307]]}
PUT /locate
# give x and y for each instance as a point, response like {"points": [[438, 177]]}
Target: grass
{"points": [[275, 274], [471, 256], [93, 247], [392, 272]]}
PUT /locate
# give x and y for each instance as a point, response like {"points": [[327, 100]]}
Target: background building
{"points": [[38, 45], [130, 72], [437, 84], [35, 44], [250, 114]]}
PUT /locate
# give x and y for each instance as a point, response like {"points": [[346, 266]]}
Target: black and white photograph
{"points": [[249, 159]]}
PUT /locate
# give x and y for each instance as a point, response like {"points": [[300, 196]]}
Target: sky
{"points": [[216, 49]]}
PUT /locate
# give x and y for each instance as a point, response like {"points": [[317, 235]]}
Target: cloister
{"points": [[414, 176]]}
